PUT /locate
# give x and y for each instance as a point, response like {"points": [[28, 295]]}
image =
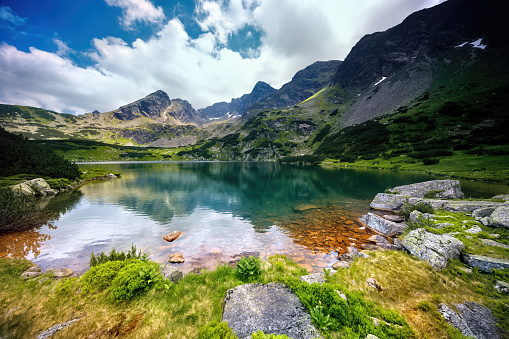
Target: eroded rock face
{"points": [[272, 308], [433, 248], [500, 217], [446, 189], [383, 226], [485, 264], [473, 320]]}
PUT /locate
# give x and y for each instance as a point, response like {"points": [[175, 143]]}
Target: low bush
{"points": [[99, 277], [135, 279], [408, 208], [117, 256], [248, 268]]}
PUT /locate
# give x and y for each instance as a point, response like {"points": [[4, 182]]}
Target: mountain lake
{"points": [[223, 209]]}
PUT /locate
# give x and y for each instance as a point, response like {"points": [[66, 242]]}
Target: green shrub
{"points": [[217, 331], [99, 277], [430, 161], [420, 223], [408, 208], [135, 279], [19, 212], [66, 286], [248, 268], [117, 256]]}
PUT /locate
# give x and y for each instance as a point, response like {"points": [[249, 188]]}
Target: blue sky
{"points": [[84, 55]]}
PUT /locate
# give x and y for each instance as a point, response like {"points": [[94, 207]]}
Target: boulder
{"points": [[449, 189], [414, 216], [272, 308], [110, 176], [176, 258], [483, 212], [504, 197], [485, 264], [59, 273], [32, 272], [393, 217], [171, 273], [341, 264], [433, 248], [383, 226], [36, 187], [443, 225], [502, 286], [388, 202], [172, 236], [455, 320], [474, 230], [479, 319], [374, 284], [500, 217], [315, 278], [489, 242], [469, 206]]}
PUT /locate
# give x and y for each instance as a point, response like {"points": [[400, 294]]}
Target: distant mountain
{"points": [[224, 110], [304, 84]]}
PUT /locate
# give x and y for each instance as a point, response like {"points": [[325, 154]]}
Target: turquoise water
{"points": [[223, 209]]}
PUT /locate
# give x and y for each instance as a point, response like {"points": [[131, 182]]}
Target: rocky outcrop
{"points": [[433, 248], [388, 202], [35, 187], [55, 273], [468, 206], [500, 217], [483, 212], [443, 189], [272, 308], [473, 320], [485, 264], [382, 225]]}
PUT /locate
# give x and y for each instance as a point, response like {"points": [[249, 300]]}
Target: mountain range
{"points": [[439, 76]]}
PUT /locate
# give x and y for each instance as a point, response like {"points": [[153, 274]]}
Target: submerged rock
{"points": [[272, 308], [433, 248], [176, 258], [172, 236]]}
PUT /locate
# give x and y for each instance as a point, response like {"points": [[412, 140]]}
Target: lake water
{"points": [[223, 209]]}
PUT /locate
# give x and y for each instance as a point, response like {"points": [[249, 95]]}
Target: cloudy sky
{"points": [[83, 55]]}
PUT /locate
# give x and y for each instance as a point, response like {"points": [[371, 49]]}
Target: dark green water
{"points": [[223, 209]]}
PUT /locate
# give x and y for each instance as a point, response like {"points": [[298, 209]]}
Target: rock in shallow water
{"points": [[272, 308], [171, 236], [176, 258]]}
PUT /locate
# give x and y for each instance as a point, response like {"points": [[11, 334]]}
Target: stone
{"points": [[450, 189], [483, 212], [374, 284], [59, 273], [342, 296], [398, 245], [52, 192], [22, 189], [54, 329], [388, 202], [479, 319], [110, 176], [495, 235], [502, 286], [504, 197], [28, 275], [304, 208], [485, 221], [443, 225], [341, 264], [171, 273], [371, 247], [371, 336], [433, 248], [414, 216], [315, 278], [176, 258], [272, 308], [171, 236], [352, 251], [378, 239], [500, 217], [485, 264], [464, 269], [393, 217], [468, 206], [455, 320], [489, 242], [474, 230], [383, 226]]}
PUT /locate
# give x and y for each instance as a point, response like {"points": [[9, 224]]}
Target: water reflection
{"points": [[222, 209]]}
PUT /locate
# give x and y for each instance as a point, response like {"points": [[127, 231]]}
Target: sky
{"points": [[84, 55]]}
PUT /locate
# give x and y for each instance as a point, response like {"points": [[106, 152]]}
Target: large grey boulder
{"points": [[382, 225], [433, 248], [36, 187], [473, 320], [388, 202], [483, 212], [485, 264], [504, 197], [449, 189], [272, 308], [500, 217], [469, 206]]}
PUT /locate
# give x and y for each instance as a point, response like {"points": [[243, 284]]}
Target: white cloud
{"points": [[62, 48], [8, 16], [137, 10], [201, 70]]}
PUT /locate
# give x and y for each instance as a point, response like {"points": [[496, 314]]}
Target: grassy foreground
{"points": [[411, 291]]}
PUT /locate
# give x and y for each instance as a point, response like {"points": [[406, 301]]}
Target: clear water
{"points": [[223, 209]]}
